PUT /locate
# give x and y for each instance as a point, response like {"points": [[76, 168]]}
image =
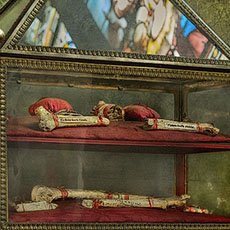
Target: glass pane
{"points": [[145, 26]]}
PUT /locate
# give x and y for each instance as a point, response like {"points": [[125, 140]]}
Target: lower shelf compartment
{"points": [[70, 211]]}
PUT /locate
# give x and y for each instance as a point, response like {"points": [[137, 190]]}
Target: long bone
{"points": [[44, 193], [48, 194], [49, 121], [111, 111], [147, 202], [197, 127]]}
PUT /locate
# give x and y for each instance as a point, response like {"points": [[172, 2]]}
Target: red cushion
{"points": [[139, 112], [51, 104]]}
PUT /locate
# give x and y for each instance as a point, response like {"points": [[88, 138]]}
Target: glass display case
{"points": [[114, 138]]}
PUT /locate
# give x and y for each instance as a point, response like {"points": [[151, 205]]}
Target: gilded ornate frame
{"points": [[106, 65], [108, 70]]}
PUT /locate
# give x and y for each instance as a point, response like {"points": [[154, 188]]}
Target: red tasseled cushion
{"points": [[139, 112], [51, 104]]}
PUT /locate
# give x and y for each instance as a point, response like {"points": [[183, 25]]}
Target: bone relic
{"points": [[49, 121], [162, 124], [111, 111], [44, 193], [148, 202], [104, 199]]}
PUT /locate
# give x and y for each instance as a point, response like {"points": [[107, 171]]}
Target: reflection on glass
{"points": [[145, 26]]}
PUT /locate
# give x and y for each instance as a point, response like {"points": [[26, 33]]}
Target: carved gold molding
{"points": [[21, 29], [123, 226], [3, 145], [119, 71], [110, 55]]}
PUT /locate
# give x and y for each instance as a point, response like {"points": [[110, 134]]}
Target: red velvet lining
{"points": [[72, 211], [116, 131]]}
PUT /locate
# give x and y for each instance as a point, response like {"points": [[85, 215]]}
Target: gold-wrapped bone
{"points": [[111, 111], [44, 193], [49, 121], [162, 124], [93, 198], [148, 202]]}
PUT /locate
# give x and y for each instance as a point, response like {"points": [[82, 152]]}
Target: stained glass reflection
{"points": [[145, 26]]}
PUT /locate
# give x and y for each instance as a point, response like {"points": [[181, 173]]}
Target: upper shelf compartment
{"points": [[118, 133]]}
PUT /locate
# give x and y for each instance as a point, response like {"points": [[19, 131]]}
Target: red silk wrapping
{"points": [[97, 203], [51, 104], [105, 110], [139, 112], [150, 203], [64, 193]]}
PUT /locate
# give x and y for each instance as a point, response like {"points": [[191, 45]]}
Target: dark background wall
{"points": [[209, 173]]}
